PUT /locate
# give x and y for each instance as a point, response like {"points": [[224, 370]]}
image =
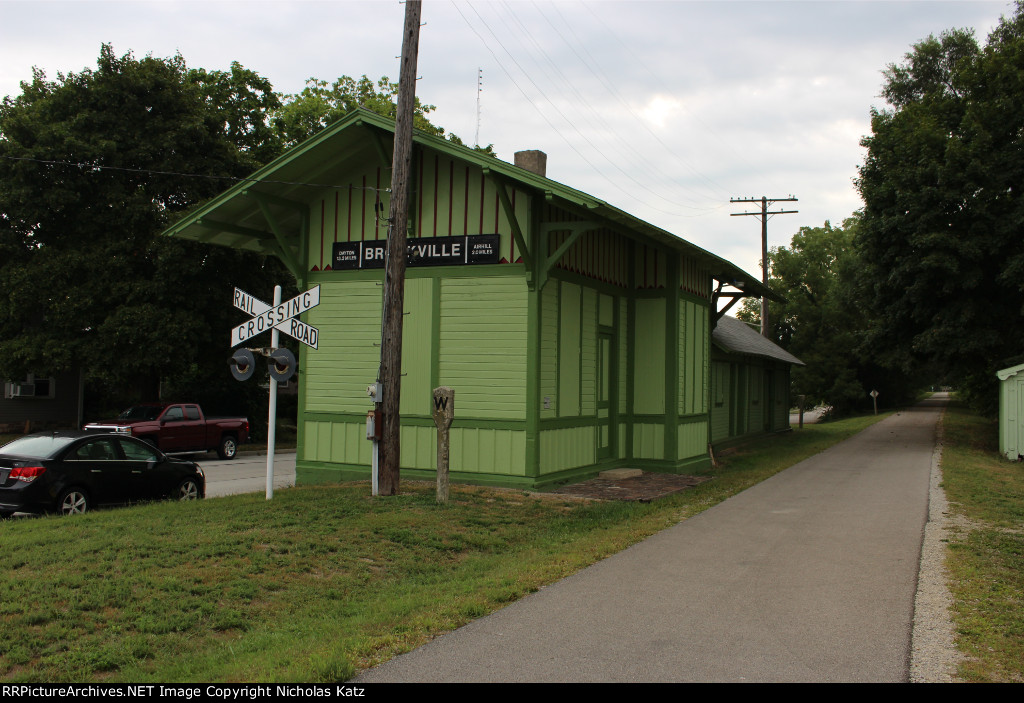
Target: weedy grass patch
{"points": [[986, 551], [318, 583]]}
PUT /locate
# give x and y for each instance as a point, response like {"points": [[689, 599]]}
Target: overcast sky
{"points": [[664, 109]]}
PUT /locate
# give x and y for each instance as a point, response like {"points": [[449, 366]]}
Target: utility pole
{"points": [[764, 214], [390, 373]]}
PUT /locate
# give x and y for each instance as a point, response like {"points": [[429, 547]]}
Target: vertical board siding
{"points": [[648, 441], [487, 451], [570, 304], [567, 448], [347, 214], [624, 334], [588, 352], [349, 321], [455, 198], [693, 439], [651, 267], [482, 352], [339, 442], [720, 401], [694, 328], [549, 323], [452, 199], [484, 451], [693, 278], [599, 254], [781, 398], [755, 395], [649, 355]]}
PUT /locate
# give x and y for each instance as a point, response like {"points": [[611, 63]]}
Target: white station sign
{"points": [[281, 317]]}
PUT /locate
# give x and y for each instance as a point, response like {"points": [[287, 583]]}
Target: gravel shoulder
{"points": [[934, 657]]}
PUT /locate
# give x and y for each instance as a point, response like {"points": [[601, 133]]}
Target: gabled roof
{"points": [[1004, 374], [239, 216], [736, 336]]}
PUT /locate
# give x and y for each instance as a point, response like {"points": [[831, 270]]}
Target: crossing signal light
{"points": [[242, 364], [282, 364]]}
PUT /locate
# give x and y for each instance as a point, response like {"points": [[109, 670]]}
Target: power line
{"points": [[96, 168], [561, 114]]}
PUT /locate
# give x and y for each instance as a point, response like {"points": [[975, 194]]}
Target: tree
{"points": [[814, 324], [943, 215], [321, 103], [93, 165], [822, 321]]}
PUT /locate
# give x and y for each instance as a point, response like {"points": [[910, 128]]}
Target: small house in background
{"points": [[576, 336], [42, 403], [750, 382], [1011, 412]]}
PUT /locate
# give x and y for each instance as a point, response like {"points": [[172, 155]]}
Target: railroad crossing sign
{"points": [[280, 317]]}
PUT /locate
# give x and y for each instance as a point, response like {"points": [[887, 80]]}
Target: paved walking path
{"points": [[808, 576]]}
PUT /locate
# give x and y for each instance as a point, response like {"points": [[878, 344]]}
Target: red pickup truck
{"points": [[179, 428]]}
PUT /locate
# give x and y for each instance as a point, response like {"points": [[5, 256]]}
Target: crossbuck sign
{"points": [[280, 317]]}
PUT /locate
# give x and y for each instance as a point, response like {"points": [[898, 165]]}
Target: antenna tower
{"points": [[479, 89]]}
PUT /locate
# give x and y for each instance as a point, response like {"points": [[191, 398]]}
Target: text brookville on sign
{"points": [[423, 251]]}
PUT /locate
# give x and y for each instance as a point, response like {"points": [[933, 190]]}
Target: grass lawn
{"points": [[986, 553], [316, 584]]}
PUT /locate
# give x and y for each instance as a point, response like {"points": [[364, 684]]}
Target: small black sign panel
{"points": [[422, 251]]}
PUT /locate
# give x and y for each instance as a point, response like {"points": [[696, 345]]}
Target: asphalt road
{"points": [[808, 576], [246, 473]]}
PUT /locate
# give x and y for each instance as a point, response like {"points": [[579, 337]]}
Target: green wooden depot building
{"points": [[576, 337]]}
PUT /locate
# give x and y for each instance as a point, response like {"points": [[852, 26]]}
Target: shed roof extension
{"points": [[265, 213], [735, 336]]}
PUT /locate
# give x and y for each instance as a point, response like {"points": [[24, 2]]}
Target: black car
{"points": [[72, 472]]}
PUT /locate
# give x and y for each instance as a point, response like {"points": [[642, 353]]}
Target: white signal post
{"points": [[279, 317], [272, 412]]}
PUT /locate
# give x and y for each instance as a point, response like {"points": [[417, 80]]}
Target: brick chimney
{"points": [[533, 161]]}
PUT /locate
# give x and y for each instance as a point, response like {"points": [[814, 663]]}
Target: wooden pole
{"points": [[390, 374], [766, 202]]}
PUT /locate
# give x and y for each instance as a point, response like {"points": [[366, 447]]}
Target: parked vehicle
{"points": [[179, 428], [73, 472]]}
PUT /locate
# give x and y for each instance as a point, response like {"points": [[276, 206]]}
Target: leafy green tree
{"points": [[320, 104], [940, 240], [815, 324], [245, 103], [91, 170], [822, 321]]}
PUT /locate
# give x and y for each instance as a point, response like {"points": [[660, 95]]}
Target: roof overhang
{"points": [[266, 212]]}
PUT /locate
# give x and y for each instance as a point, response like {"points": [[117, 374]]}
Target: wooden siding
{"points": [[624, 334], [567, 448], [651, 269], [451, 199], [649, 354], [648, 441], [569, 339], [473, 450], [693, 439], [349, 213], [588, 352], [549, 325], [601, 254], [482, 353], [486, 450], [693, 359], [349, 321], [693, 278], [417, 347]]}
